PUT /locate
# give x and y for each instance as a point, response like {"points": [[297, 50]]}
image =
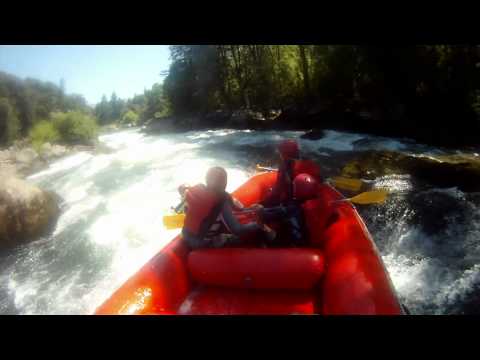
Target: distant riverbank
{"points": [[22, 159], [317, 120]]}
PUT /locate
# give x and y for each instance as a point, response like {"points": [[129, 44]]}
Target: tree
{"points": [[155, 103], [103, 111], [9, 124], [116, 106], [130, 117]]}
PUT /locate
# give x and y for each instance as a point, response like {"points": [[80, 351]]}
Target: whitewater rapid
{"points": [[112, 207]]}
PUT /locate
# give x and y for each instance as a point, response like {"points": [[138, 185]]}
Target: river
{"points": [[111, 221]]}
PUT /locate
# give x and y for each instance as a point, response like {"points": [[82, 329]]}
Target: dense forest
{"points": [[426, 92], [430, 93]]}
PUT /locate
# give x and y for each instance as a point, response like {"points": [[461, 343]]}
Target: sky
{"points": [[89, 70]]}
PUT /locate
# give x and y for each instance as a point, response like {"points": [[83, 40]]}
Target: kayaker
{"points": [[291, 215], [210, 221]]}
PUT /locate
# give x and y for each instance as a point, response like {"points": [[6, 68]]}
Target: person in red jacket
{"points": [[288, 151], [210, 221], [290, 166]]}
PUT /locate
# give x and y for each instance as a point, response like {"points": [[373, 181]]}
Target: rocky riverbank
{"points": [[241, 119], [21, 159], [26, 211], [319, 118], [442, 171]]}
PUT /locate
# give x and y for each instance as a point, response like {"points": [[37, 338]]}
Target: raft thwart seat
{"points": [[274, 269]]}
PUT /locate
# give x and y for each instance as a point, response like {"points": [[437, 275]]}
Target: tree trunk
{"points": [[306, 77]]}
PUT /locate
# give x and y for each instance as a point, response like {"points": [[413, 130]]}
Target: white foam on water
{"points": [[112, 219], [68, 163], [395, 184]]}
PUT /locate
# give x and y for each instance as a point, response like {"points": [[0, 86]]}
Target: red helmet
{"points": [[288, 149], [305, 187], [217, 178]]}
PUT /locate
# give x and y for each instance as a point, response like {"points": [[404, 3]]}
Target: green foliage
{"points": [[110, 111], [31, 100], [130, 117], [75, 127], [206, 78], [43, 131], [420, 86], [155, 104], [9, 123]]}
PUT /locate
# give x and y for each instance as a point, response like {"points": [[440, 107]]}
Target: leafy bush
{"points": [[130, 117], [9, 123], [43, 132], [75, 127]]}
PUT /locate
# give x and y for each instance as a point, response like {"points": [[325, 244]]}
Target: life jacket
{"points": [[283, 188], [203, 209], [319, 213]]}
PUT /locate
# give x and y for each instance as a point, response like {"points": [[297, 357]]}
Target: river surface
{"points": [[111, 221]]}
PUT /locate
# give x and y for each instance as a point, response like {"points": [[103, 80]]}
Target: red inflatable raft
{"points": [[340, 273]]}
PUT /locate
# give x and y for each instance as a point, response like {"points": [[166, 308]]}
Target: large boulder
{"points": [[313, 134], [247, 119], [26, 212], [462, 171]]}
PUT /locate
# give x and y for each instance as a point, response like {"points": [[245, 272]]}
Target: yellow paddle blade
{"points": [[370, 197], [264, 168], [174, 221], [347, 184]]}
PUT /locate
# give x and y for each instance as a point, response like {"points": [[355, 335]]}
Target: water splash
{"points": [[113, 204]]}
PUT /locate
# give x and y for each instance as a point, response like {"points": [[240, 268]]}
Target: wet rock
{"points": [[216, 119], [443, 210], [313, 135], [440, 171], [272, 114], [247, 119], [26, 212], [291, 118]]}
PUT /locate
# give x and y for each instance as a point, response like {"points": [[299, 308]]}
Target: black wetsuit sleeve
{"points": [[274, 213], [283, 182], [180, 206], [233, 225]]}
